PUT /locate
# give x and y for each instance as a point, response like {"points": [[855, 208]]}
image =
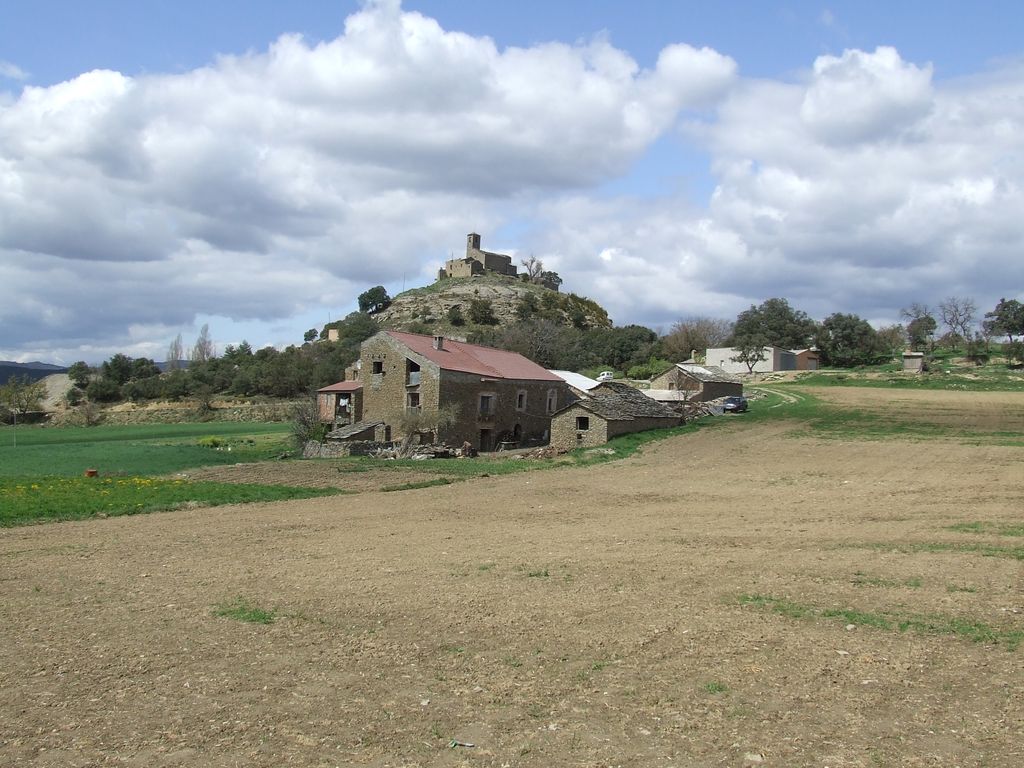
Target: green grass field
{"points": [[42, 478], [36, 499], [146, 449]]}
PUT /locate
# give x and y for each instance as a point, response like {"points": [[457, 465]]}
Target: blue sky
{"points": [[668, 159]]}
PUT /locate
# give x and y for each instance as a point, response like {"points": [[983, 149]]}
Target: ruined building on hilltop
{"points": [[477, 261]]}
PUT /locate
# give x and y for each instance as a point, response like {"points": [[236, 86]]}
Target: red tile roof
{"points": [[342, 386], [471, 358]]}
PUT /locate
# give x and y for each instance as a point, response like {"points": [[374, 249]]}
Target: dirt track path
{"points": [[569, 617]]}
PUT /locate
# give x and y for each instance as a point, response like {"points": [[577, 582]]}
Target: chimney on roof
{"points": [[439, 342]]}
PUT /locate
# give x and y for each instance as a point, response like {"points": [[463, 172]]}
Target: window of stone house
{"points": [[582, 423], [487, 405], [412, 373], [412, 400], [521, 400], [378, 367], [552, 402]]}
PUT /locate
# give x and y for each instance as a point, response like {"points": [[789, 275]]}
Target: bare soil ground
{"points": [[574, 617]]}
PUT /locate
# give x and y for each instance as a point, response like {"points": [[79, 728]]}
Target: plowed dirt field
{"points": [[745, 595]]}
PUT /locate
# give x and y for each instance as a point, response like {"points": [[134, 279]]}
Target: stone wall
{"points": [[385, 394], [463, 390], [565, 436], [385, 397], [333, 449]]}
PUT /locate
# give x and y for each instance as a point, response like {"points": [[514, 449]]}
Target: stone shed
{"points": [[340, 403], [612, 409], [699, 382]]}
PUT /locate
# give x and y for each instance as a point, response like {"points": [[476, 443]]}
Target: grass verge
{"points": [[997, 529], [935, 624], [832, 421], [37, 499], [939, 547]]}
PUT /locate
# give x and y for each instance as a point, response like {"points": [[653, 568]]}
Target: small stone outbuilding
{"points": [[341, 403], [913, 362], [699, 382], [612, 409]]}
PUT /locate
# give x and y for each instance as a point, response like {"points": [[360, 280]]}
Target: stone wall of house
{"points": [[386, 394], [385, 398], [462, 391], [715, 389], [565, 436], [616, 428]]}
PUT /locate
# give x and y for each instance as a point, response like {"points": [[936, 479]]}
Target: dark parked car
{"points": [[735, 404]]}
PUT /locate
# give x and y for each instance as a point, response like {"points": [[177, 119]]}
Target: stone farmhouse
{"points": [[774, 359], [698, 382], [609, 410], [495, 396], [477, 261]]}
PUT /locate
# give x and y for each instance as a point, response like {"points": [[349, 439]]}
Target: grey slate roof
{"points": [[343, 433], [614, 401], [707, 373]]}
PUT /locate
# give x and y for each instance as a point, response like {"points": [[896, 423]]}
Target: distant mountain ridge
{"points": [[34, 370]]}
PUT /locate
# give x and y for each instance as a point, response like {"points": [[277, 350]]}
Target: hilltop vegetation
{"points": [[459, 306]]}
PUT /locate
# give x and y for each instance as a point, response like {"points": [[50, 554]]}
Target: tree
{"points": [[310, 335], [1014, 350], [117, 369], [695, 334], [143, 368], [79, 374], [417, 421], [481, 312], [550, 280], [1007, 319], [455, 315], [533, 268], [103, 390], [750, 349], [892, 339], [847, 340], [203, 350], [374, 300], [777, 323], [957, 313], [921, 325], [22, 395], [175, 354]]}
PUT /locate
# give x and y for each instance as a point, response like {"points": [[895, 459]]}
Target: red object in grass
{"points": [[91, 473]]}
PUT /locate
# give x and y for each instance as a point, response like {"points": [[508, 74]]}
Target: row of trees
{"points": [[239, 370], [542, 334], [847, 340]]}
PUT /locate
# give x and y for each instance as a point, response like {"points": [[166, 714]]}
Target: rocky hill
{"points": [[441, 306]]}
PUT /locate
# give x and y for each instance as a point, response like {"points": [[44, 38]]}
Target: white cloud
{"points": [[865, 96], [925, 208], [11, 71], [273, 185], [270, 181]]}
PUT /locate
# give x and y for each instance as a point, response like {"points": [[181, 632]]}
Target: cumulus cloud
{"points": [[860, 96], [916, 201], [347, 162], [267, 185]]}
